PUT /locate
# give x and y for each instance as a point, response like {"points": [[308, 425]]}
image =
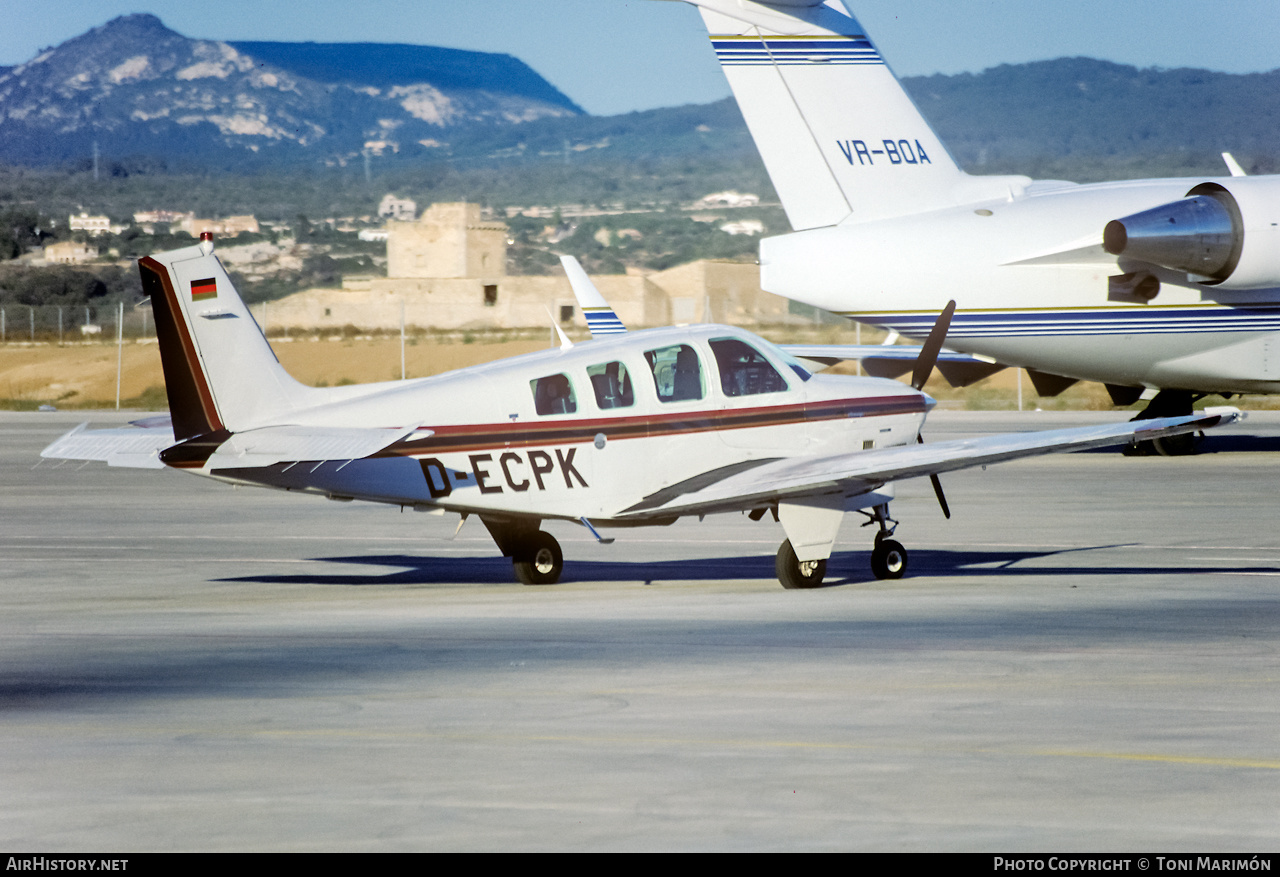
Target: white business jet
{"points": [[1165, 284], [640, 429]]}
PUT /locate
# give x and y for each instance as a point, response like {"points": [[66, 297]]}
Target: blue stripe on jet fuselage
{"points": [[747, 51], [1110, 321]]}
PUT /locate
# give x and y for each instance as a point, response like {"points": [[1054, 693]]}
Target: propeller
{"points": [[928, 357], [924, 367]]}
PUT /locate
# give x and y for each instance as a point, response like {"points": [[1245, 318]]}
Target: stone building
{"points": [[229, 227], [69, 253], [448, 271]]}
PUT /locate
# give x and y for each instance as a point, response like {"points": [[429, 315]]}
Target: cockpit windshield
{"points": [[792, 363]]}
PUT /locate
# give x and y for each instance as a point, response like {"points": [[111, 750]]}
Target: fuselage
{"points": [[594, 430], [1031, 281]]}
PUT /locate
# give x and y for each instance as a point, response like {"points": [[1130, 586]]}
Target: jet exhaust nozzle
{"points": [[1201, 235]]}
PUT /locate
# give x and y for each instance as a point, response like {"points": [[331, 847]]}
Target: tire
{"points": [[889, 560], [1185, 445], [794, 574], [539, 560]]}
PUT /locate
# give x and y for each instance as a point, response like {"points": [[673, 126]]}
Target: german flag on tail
{"points": [[203, 290]]}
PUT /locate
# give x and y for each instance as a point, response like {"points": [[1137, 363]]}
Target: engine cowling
{"points": [[1221, 234]]}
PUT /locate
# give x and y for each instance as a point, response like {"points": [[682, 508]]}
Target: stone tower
{"points": [[449, 240]]}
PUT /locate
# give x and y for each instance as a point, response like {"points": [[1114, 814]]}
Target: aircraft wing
{"points": [[892, 360], [759, 482], [137, 446]]}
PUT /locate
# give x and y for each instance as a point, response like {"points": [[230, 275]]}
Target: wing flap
{"points": [[860, 471]]}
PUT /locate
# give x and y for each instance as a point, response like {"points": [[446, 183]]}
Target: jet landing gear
{"points": [[1168, 403]]}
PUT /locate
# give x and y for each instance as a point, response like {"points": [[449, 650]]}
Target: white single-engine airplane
{"points": [[640, 429], [1164, 284]]}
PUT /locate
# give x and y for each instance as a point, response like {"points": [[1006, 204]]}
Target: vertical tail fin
{"points": [[601, 319], [219, 371], [838, 134]]}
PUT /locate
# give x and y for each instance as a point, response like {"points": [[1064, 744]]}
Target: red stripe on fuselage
{"points": [[479, 437]]}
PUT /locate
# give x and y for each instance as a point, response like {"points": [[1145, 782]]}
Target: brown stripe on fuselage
{"points": [[479, 437]]}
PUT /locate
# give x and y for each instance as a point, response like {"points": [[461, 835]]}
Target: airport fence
{"points": [[65, 324]]}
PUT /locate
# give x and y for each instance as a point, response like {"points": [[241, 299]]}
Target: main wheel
{"points": [[1184, 445], [539, 560], [794, 574], [888, 559]]}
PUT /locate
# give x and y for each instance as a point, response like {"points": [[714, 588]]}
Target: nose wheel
{"points": [[538, 559], [888, 559]]}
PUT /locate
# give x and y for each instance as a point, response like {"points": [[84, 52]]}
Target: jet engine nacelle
{"points": [[1220, 234]]}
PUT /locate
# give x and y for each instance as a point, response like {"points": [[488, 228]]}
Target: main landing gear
{"points": [[888, 557], [538, 560], [535, 554], [1168, 403], [793, 573]]}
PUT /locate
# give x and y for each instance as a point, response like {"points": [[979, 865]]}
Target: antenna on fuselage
{"points": [[565, 343]]}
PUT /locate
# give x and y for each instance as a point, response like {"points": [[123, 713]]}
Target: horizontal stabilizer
{"points": [[291, 444], [130, 446]]}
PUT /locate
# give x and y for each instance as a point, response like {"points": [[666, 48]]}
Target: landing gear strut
{"points": [[888, 557], [1168, 403], [534, 553]]}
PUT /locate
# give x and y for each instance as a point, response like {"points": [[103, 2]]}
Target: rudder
{"points": [[219, 371], [839, 136]]}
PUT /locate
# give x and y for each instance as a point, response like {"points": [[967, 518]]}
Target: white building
{"points": [[727, 199], [94, 225], [402, 209]]}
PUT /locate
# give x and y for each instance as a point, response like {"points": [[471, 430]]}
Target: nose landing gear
{"points": [[888, 557]]}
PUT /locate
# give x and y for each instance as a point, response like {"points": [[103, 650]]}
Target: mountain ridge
{"points": [[156, 91], [134, 88]]}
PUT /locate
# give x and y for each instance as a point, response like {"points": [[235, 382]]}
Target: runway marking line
{"points": [[1207, 761], [1167, 759]]}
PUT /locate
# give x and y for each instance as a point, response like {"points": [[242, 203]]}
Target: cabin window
{"points": [[743, 370], [677, 373], [612, 385], [490, 294], [553, 395]]}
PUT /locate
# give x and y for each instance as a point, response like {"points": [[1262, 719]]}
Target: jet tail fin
{"points": [[601, 319], [839, 136], [219, 371]]}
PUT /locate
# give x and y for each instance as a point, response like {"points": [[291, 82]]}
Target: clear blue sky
{"points": [[612, 56]]}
